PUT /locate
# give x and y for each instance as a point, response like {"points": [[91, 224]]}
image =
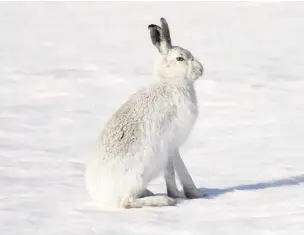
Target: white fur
{"points": [[139, 139]]}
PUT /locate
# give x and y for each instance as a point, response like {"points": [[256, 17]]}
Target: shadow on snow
{"points": [[215, 192]]}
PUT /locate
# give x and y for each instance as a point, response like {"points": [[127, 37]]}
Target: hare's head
{"points": [[174, 62]]}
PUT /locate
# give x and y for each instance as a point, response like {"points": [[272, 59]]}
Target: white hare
{"points": [[143, 137]]}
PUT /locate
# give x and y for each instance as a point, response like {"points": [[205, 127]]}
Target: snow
{"points": [[66, 67]]}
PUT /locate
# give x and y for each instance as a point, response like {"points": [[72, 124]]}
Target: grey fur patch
{"points": [[124, 132]]}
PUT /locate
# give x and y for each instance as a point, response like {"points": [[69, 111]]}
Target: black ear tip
{"points": [[151, 26]]}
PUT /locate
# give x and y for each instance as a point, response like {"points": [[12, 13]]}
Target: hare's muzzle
{"points": [[198, 68]]}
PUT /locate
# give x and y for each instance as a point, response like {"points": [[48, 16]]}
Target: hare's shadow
{"points": [[215, 192]]}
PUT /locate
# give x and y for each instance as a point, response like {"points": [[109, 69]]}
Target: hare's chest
{"points": [[183, 122]]}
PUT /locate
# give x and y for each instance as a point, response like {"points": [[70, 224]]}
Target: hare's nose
{"points": [[199, 65], [202, 69]]}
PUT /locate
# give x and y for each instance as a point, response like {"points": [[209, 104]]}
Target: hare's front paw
{"points": [[193, 193], [175, 194]]}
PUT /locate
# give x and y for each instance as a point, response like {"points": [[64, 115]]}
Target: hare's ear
{"points": [[158, 39], [166, 31]]}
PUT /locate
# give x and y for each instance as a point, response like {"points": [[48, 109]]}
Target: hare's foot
{"points": [[146, 193], [193, 193], [152, 201], [171, 192]]}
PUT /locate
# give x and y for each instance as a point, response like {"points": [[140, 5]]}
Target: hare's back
{"points": [[139, 120]]}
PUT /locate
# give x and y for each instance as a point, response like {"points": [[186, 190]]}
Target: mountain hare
{"points": [[142, 138]]}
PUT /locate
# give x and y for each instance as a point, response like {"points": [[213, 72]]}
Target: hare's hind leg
{"points": [[152, 201]]}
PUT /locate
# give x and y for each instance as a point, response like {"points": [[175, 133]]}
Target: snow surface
{"points": [[66, 67]]}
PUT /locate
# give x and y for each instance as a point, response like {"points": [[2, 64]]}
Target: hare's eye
{"points": [[179, 58]]}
